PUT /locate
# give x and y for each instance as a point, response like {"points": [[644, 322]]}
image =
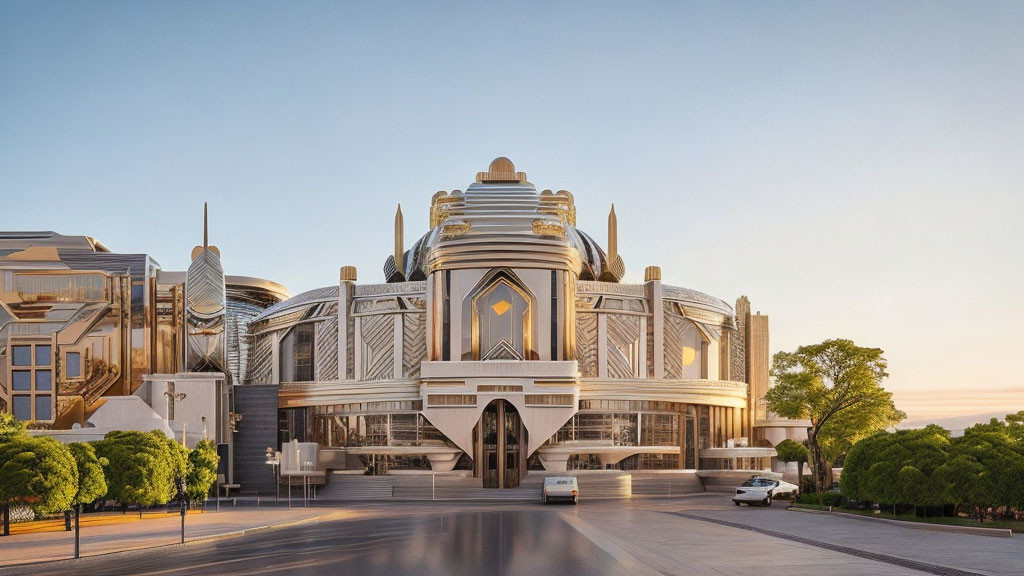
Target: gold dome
{"points": [[501, 170], [501, 164]]}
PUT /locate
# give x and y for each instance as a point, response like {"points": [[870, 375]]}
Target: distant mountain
{"points": [[955, 424]]}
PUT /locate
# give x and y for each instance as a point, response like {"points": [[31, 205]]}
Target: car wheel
{"points": [[736, 503]]}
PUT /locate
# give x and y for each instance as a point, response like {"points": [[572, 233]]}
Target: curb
{"points": [[972, 530]]}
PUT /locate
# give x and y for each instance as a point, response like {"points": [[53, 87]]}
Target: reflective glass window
{"points": [[693, 347], [43, 408], [22, 407], [44, 380], [21, 355], [73, 365], [21, 380], [43, 355]]}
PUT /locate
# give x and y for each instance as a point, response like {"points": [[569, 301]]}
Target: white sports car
{"points": [[762, 491]]}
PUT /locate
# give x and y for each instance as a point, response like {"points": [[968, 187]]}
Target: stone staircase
{"points": [[460, 486], [666, 484]]}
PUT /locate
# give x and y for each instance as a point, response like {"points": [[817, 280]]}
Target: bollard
{"points": [[182, 520]]}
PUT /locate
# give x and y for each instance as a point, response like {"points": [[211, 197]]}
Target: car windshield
{"points": [[759, 483]]}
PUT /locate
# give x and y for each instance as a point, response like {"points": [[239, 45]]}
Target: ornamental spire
{"points": [[399, 240], [613, 236]]}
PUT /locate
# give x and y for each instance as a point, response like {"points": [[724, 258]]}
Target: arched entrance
{"points": [[500, 446]]}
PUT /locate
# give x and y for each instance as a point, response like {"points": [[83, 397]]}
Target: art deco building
{"points": [[505, 339], [501, 341], [80, 324]]}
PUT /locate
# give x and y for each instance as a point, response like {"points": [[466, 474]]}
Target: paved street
{"points": [[642, 536]]}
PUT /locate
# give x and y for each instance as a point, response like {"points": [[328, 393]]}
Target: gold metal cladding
{"points": [[548, 228], [560, 204], [652, 273], [35, 254], [348, 273], [399, 240], [501, 170], [443, 205], [454, 229]]}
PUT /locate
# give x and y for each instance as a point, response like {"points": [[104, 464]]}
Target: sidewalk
{"points": [[104, 537]]}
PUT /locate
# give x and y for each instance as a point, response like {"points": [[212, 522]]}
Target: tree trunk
{"points": [[799, 478], [819, 463], [7, 519]]}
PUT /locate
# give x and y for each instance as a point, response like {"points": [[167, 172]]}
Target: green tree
{"points": [[202, 471], [1003, 468], [966, 482], [854, 481], [39, 472], [1012, 427], [837, 386], [179, 460], [92, 484], [790, 451], [141, 467]]}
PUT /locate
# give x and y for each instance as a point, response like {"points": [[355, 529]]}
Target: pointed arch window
{"points": [[502, 322]]}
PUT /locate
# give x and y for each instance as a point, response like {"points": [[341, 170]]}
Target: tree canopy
{"points": [[202, 472], [92, 483], [142, 468], [836, 385], [39, 472], [926, 467]]}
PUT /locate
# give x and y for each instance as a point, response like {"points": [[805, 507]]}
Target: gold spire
{"points": [[206, 240], [399, 240], [613, 236]]}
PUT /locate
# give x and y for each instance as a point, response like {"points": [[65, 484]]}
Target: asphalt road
{"points": [[529, 541]]}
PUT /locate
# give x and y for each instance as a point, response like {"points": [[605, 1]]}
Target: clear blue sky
{"points": [[854, 168]]}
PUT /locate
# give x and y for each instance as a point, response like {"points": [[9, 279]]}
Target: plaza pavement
{"points": [[668, 536], [133, 534], [966, 552]]}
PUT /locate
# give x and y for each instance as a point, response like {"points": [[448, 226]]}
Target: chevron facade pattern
{"points": [[378, 338], [327, 349], [623, 345], [414, 343]]}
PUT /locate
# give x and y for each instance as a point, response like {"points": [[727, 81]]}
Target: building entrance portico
{"points": [[500, 446]]}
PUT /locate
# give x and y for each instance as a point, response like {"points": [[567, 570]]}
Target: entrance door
{"points": [[501, 438]]}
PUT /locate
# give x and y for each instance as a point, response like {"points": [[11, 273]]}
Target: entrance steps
{"points": [[603, 484], [666, 483]]}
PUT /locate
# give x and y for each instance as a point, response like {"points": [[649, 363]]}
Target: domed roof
{"points": [[501, 220]]}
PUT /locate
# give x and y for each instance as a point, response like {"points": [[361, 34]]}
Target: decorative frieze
{"points": [[403, 288]]}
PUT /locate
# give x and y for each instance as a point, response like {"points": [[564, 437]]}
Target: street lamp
{"points": [[274, 462]]}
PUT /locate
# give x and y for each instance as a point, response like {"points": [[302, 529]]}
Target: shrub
{"points": [[823, 498]]}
